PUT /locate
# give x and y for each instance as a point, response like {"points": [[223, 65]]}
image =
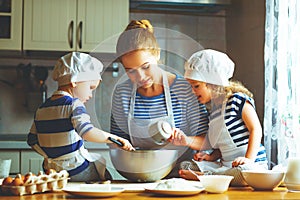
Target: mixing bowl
{"points": [[143, 165], [215, 183], [263, 180]]}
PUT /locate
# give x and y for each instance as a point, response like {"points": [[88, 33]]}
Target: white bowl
{"points": [[263, 180], [215, 183]]}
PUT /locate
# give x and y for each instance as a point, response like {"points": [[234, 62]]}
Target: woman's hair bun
{"points": [[144, 23]]}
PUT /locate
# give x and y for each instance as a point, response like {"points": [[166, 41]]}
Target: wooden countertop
{"points": [[233, 193]]}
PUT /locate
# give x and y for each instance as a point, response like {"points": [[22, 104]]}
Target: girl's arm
{"points": [[252, 123], [198, 142]]}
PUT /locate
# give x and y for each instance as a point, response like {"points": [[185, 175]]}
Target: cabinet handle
{"points": [[70, 34], [80, 35]]}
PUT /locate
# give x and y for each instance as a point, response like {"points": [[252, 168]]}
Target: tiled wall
{"points": [[207, 31]]}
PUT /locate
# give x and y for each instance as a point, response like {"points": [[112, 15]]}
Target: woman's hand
{"points": [[178, 138], [240, 161]]}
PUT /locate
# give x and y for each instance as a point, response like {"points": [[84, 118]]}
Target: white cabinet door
{"points": [[31, 162], [100, 22], [49, 24], [11, 25], [80, 25], [14, 155]]}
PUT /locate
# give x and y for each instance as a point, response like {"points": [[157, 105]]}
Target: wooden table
{"points": [[232, 194]]}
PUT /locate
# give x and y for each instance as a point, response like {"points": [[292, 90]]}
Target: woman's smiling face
{"points": [[141, 67], [200, 89]]}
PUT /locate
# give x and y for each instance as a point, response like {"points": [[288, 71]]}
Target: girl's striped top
{"points": [[235, 124]]}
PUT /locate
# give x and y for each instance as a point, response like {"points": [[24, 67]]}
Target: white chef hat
{"points": [[209, 66], [76, 67]]}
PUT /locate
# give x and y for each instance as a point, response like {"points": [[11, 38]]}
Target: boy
{"points": [[61, 123]]}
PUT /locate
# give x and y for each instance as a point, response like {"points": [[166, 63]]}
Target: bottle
{"points": [[43, 91]]}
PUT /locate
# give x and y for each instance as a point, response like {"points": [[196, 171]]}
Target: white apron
{"points": [[219, 138], [138, 128], [71, 160]]}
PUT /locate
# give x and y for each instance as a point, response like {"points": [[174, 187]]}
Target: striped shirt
{"points": [[57, 129], [235, 124], [190, 116]]}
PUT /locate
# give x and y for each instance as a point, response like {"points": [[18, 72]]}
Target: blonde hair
{"points": [[234, 87], [138, 35]]}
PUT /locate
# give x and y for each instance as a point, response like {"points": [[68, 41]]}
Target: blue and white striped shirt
{"points": [[190, 116], [236, 126], [57, 129]]}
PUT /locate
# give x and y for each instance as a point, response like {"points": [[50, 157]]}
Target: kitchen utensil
{"points": [[263, 180], [160, 132], [116, 141], [215, 183], [143, 165], [93, 190], [194, 173]]}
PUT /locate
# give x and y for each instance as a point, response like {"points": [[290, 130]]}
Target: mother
{"points": [[151, 94]]}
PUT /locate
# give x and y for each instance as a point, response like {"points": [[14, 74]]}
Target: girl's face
{"points": [[84, 90], [200, 89], [141, 67]]}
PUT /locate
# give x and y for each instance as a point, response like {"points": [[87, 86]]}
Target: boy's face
{"points": [[201, 91], [84, 90]]}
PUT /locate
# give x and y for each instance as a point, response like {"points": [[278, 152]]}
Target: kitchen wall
{"points": [[209, 31], [239, 31], [245, 27]]}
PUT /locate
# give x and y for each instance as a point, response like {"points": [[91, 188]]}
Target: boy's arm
{"points": [[100, 136]]}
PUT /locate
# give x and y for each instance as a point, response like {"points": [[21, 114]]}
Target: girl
{"points": [[234, 129]]}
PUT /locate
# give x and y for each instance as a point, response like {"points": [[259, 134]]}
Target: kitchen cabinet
{"points": [[69, 25], [31, 162], [11, 24], [25, 160]]}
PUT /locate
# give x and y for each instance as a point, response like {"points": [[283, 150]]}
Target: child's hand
{"points": [[240, 161], [200, 156], [126, 144], [178, 138]]}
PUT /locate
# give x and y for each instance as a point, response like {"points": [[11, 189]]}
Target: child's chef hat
{"points": [[209, 66], [76, 67]]}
